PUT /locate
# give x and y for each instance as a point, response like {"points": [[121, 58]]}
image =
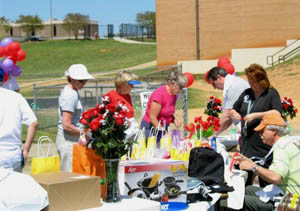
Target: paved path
{"points": [[133, 41]]}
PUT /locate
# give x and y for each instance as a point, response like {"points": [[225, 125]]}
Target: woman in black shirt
{"points": [[252, 105]]}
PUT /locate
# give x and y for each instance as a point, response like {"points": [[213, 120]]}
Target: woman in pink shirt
{"points": [[161, 105]]}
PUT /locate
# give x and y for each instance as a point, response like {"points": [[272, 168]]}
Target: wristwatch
{"points": [[254, 170]]}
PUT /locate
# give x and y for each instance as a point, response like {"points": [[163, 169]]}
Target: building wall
{"points": [[224, 25], [176, 31], [61, 32]]}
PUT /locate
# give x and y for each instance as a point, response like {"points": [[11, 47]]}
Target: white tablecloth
{"points": [[235, 198]]}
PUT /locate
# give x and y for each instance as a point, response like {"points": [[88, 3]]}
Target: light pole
{"points": [[51, 28]]}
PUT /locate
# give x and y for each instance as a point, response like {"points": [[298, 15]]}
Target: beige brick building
{"points": [[208, 29], [58, 31]]}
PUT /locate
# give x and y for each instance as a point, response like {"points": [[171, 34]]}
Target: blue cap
{"points": [[133, 82]]}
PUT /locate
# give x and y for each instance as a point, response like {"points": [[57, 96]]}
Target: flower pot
{"points": [[112, 184]]}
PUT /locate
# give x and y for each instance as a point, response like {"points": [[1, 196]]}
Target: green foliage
{"points": [[73, 22], [207, 133], [29, 24], [146, 18], [5, 24]]}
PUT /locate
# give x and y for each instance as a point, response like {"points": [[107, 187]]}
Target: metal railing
{"points": [[270, 59]]}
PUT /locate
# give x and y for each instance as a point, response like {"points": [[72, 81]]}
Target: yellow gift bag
{"points": [[44, 162]]}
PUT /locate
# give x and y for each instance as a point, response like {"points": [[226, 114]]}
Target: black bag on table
{"points": [[208, 166]]}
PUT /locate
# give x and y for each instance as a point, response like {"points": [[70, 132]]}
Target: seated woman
{"points": [[161, 105], [124, 82]]}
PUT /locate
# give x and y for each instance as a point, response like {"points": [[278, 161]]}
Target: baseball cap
{"points": [[78, 72], [270, 119], [134, 82]]}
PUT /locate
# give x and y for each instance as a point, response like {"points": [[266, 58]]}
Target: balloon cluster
{"points": [[225, 63], [12, 53]]}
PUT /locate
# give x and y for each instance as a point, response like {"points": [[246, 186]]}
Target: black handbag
{"points": [[206, 165]]}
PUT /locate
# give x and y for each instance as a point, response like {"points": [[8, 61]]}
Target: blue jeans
{"points": [[147, 127]]}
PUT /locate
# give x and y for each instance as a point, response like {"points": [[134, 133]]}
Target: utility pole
{"points": [[51, 28], [197, 31]]}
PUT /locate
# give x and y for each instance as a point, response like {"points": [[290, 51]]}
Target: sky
{"points": [[104, 11]]}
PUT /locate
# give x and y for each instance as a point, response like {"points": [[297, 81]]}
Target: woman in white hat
{"points": [[69, 112]]}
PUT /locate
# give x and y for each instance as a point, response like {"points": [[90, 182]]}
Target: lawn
{"points": [[53, 57]]}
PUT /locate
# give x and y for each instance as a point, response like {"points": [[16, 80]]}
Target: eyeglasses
{"points": [[82, 81], [176, 84]]}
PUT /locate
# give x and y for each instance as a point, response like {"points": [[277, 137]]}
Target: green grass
{"points": [[50, 132], [55, 56], [198, 98]]}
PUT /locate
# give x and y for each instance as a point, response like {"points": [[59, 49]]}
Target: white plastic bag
{"points": [[20, 192]]}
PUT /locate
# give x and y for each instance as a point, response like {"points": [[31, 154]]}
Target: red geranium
{"points": [[107, 123], [288, 108], [214, 107]]}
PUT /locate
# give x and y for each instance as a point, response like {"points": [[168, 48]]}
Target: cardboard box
{"points": [[135, 178], [70, 191]]}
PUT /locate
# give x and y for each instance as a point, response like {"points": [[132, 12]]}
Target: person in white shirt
{"points": [[232, 87], [11, 84], [14, 112], [69, 113]]}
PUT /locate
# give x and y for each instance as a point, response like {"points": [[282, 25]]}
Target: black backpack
{"points": [[206, 165]]}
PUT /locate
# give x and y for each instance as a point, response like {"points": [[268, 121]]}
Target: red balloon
{"points": [[2, 52], [223, 60], [21, 55], [190, 79], [229, 68], [10, 53], [205, 77], [14, 47]]}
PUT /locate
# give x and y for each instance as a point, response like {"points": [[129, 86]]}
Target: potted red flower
{"points": [[288, 108], [203, 129], [106, 124], [214, 107]]}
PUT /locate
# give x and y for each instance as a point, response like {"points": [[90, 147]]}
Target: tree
{"points": [[148, 20], [29, 24], [5, 23], [73, 22]]}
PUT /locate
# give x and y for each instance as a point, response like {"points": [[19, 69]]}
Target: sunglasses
{"points": [[82, 81]]}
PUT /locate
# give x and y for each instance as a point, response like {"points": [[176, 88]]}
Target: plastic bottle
{"points": [[213, 143], [233, 133]]}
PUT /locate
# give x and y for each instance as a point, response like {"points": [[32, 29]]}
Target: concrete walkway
{"points": [[121, 39]]}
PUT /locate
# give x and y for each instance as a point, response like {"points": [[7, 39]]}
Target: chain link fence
{"points": [[137, 31], [45, 100]]}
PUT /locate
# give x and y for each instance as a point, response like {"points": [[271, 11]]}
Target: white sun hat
{"points": [[78, 72]]}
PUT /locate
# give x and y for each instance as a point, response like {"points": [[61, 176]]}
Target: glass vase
{"points": [[112, 183]]}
